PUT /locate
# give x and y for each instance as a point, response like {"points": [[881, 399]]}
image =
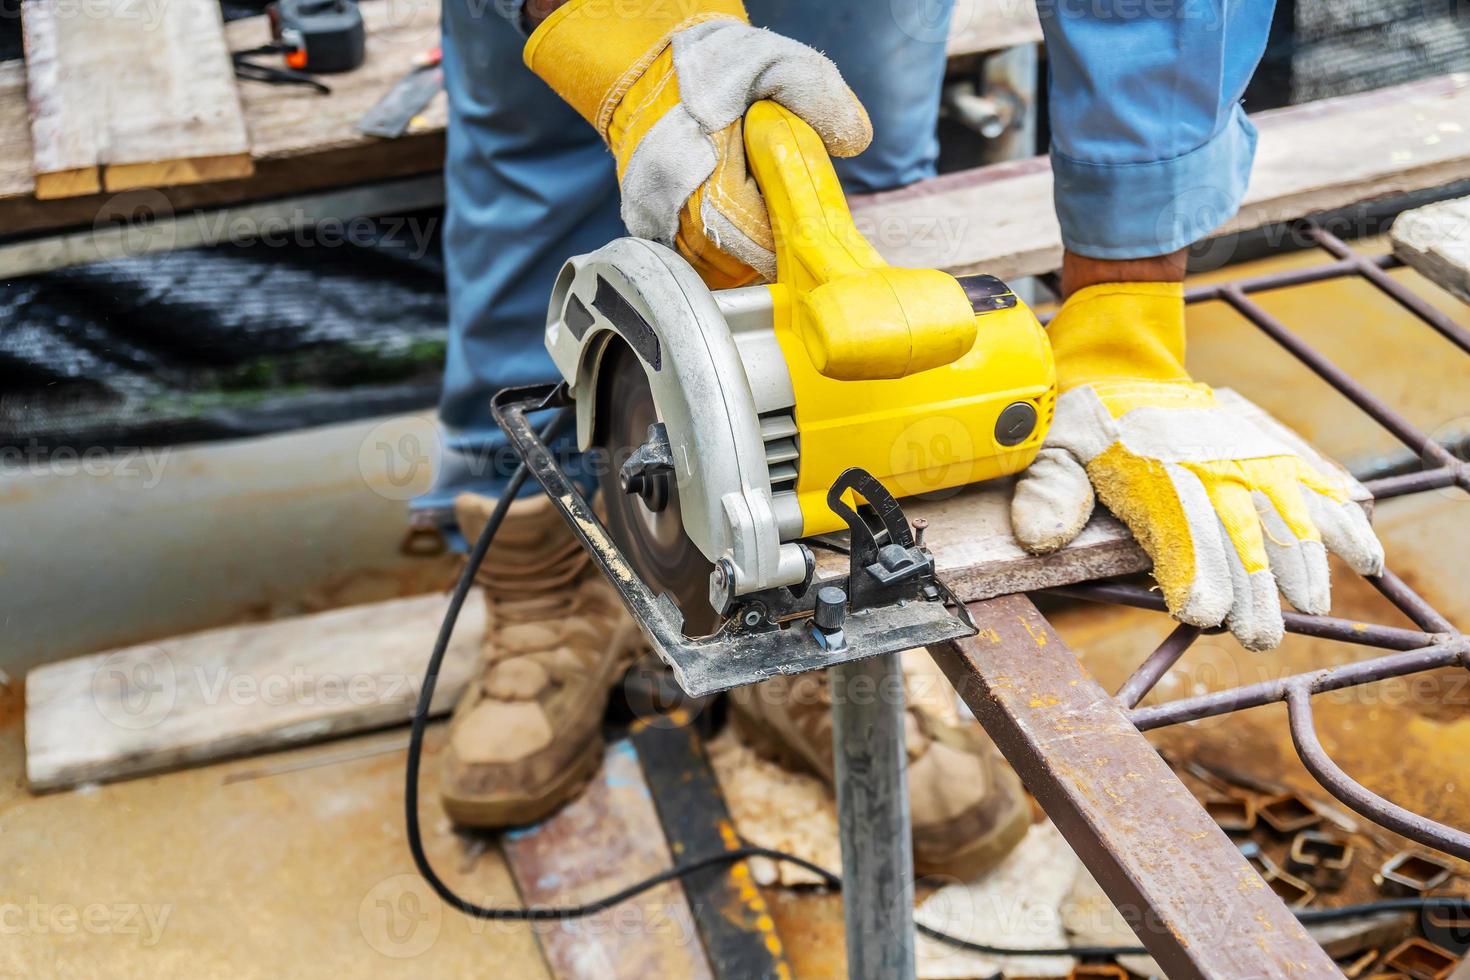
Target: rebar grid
{"points": [[1436, 644]]}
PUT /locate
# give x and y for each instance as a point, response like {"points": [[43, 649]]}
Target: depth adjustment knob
{"points": [[831, 609]]}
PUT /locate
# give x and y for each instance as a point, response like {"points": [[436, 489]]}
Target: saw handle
{"points": [[858, 318]]}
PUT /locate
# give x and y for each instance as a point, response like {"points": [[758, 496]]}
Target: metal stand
{"points": [[873, 817]]}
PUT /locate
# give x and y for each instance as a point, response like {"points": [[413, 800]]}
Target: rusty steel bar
{"points": [[1322, 627], [1152, 670], [1410, 603], [1407, 483], [1273, 280], [1185, 889], [1396, 290], [1379, 410], [1355, 794], [1448, 654]]}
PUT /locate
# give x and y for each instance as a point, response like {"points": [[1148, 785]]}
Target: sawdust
{"points": [[1018, 904], [777, 808]]}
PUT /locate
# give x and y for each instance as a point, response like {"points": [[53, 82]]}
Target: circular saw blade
{"points": [[653, 540]]}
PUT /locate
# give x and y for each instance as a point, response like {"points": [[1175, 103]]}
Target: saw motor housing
{"points": [[767, 394]]}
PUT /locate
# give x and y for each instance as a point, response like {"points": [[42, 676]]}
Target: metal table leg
{"points": [[873, 817]]}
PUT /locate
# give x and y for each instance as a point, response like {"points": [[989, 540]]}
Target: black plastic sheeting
{"points": [[224, 341]]}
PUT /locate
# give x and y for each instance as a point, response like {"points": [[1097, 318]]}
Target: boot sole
{"points": [[492, 812]]}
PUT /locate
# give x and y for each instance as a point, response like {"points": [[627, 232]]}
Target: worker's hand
{"points": [[1227, 513], [667, 84]]}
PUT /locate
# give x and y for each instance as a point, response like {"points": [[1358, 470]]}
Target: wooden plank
{"points": [[1435, 241], [1310, 158], [16, 179], [978, 26], [606, 839], [65, 133], [241, 689], [141, 97]]}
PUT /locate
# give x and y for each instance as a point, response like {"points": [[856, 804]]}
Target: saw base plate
{"points": [[747, 648]]}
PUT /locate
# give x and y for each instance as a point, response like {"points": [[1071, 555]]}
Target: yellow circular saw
{"points": [[725, 417]]}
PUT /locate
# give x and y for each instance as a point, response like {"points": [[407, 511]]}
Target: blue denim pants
{"points": [[1150, 151]]}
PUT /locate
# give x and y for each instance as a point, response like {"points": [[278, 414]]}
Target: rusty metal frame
{"points": [[1436, 644], [1081, 752]]}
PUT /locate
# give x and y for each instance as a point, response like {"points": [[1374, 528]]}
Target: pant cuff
{"points": [[1136, 210]]}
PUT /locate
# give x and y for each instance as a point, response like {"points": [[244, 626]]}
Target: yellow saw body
{"points": [[768, 393]]}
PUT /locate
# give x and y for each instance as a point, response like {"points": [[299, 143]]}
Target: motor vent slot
{"points": [[783, 452]]}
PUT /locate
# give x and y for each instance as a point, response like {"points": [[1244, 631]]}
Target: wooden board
{"points": [[996, 219], [124, 95], [1435, 240], [300, 141], [66, 135], [1310, 158], [606, 839], [241, 689]]}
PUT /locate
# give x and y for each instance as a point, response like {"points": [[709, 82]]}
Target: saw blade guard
{"points": [[644, 296]]}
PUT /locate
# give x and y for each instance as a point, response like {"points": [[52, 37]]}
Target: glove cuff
{"points": [[591, 51], [1118, 331]]}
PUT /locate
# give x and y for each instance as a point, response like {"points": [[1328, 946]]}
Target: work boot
{"points": [[526, 735], [967, 807]]}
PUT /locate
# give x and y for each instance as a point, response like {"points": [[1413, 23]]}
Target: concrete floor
{"points": [[252, 869], [104, 553]]}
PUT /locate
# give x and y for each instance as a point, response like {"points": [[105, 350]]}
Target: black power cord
{"points": [[421, 860]]}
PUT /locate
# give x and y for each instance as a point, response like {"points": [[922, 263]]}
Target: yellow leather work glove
{"points": [[1227, 513], [666, 85]]}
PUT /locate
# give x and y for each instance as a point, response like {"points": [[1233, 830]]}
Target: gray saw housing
{"points": [[721, 388]]}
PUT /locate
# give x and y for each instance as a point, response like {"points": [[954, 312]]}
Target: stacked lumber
{"points": [[124, 96]]}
